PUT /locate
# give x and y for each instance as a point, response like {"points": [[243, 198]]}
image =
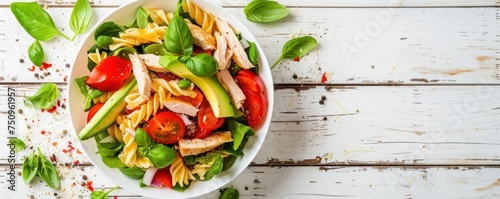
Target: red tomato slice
{"points": [[164, 176], [109, 74], [255, 107], [248, 79], [94, 110], [195, 101], [201, 133], [167, 76], [206, 117], [166, 128]]}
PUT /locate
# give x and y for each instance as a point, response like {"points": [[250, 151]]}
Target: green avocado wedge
{"points": [[106, 116], [214, 92]]}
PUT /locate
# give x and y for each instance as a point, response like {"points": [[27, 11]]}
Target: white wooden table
{"points": [[412, 105]]}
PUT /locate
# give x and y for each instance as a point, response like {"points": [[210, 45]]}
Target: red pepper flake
{"points": [[74, 184], [116, 197], [296, 59], [51, 110], [45, 66], [65, 78], [65, 151], [323, 78], [43, 132], [89, 186], [76, 162], [32, 69], [59, 103], [78, 151]]}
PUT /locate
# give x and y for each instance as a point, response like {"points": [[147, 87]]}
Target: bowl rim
{"points": [[222, 179]]}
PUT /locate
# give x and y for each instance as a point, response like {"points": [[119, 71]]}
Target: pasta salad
{"points": [[173, 97]]}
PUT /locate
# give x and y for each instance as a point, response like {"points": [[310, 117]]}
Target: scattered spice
{"points": [[321, 102], [78, 151], [20, 111], [43, 132], [54, 143], [294, 76], [76, 162], [65, 78], [89, 186], [21, 61], [323, 97], [296, 59], [328, 88], [325, 118], [323, 78], [67, 65], [84, 177], [115, 197], [32, 68], [50, 110], [45, 66], [36, 75]]}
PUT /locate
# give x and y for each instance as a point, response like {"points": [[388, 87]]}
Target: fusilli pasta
{"points": [[180, 172], [97, 57], [204, 19]]}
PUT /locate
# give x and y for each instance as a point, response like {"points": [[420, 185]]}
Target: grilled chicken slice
{"points": [[235, 92], [198, 146], [222, 54], [202, 38], [152, 62], [239, 54], [141, 75], [179, 106]]}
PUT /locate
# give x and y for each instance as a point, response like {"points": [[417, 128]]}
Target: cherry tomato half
{"points": [[109, 74], [255, 107], [166, 128], [195, 101], [201, 133], [206, 117], [248, 79], [94, 110], [164, 176]]}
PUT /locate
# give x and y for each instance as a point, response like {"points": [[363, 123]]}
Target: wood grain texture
{"points": [[366, 125], [301, 182], [356, 46]]}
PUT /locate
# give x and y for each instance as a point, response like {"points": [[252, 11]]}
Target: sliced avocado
{"points": [[214, 92], [106, 116]]}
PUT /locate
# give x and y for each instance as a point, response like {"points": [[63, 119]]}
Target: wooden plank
{"points": [[310, 3], [301, 182], [356, 46], [366, 125]]}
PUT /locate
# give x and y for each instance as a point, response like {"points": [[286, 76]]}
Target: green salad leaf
{"points": [[142, 138], [35, 20], [19, 145], [239, 131], [134, 172], [296, 48], [48, 172], [265, 11], [161, 156], [35, 53], [30, 168], [202, 65], [142, 18], [178, 38], [81, 16], [88, 92], [45, 97], [229, 193], [101, 194]]}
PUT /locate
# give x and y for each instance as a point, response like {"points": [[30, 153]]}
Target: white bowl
{"points": [[125, 15]]}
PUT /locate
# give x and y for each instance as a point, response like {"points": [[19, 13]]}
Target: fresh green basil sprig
{"points": [[38, 164], [229, 193], [45, 97], [35, 20], [81, 16], [142, 18], [265, 11], [178, 39], [296, 48], [101, 194], [35, 53], [160, 155], [88, 92], [19, 145]]}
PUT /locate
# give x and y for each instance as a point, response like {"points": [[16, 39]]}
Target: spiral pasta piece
{"points": [[146, 110], [159, 16], [129, 155], [114, 130], [204, 19], [180, 172], [97, 57], [172, 87], [153, 33]]}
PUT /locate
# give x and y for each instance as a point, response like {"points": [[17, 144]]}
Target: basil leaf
{"points": [[45, 97], [161, 156], [209, 157], [101, 194], [124, 52], [215, 169], [178, 38], [88, 92], [110, 148], [35, 53], [190, 160], [142, 138], [297, 47], [35, 20], [228, 162], [94, 93], [17, 143], [178, 187], [134, 172], [238, 132], [108, 29], [81, 16], [229, 193], [265, 11], [253, 54], [112, 161], [142, 18], [48, 172], [202, 65], [157, 49], [228, 148], [104, 41], [30, 168]]}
